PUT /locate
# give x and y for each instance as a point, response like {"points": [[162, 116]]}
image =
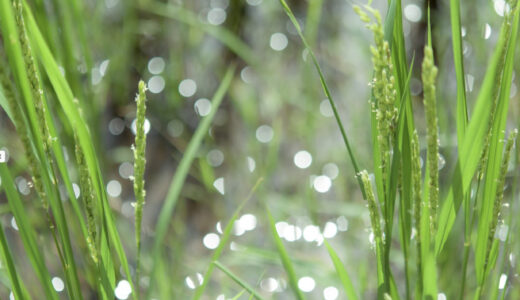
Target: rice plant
{"points": [[274, 150]]}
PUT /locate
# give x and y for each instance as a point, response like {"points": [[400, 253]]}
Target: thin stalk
{"points": [[139, 168]]}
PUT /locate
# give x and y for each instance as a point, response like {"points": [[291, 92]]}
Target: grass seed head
{"points": [[429, 75], [500, 191]]}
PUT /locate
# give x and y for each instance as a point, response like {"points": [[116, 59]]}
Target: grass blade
{"points": [[493, 168], [72, 112], [473, 142], [342, 273], [223, 242], [17, 285], [325, 87], [458, 60], [239, 281], [27, 233], [284, 256], [182, 171]]}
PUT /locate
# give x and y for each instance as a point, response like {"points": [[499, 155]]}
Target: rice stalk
{"points": [[383, 88], [88, 195], [21, 129], [375, 220], [429, 74], [139, 167], [36, 89], [417, 201], [499, 194], [372, 205]]}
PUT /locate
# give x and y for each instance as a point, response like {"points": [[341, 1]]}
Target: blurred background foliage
{"points": [[274, 123]]}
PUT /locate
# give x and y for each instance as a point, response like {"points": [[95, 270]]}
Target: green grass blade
{"points": [[27, 77], [27, 233], [223, 242], [237, 296], [312, 21], [427, 255], [325, 87], [473, 143], [284, 256], [342, 273], [458, 60], [184, 166], [4, 104], [17, 285], [71, 110], [239, 281], [495, 159]]}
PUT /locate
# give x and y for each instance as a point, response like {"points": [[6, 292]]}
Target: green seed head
{"points": [[372, 205], [139, 164], [429, 75], [500, 190]]}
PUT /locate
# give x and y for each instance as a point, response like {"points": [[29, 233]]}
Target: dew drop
{"points": [[331, 170], [248, 222], [58, 284], [146, 126], [188, 87], [487, 31], [278, 41], [306, 284], [330, 230], [330, 293], [13, 224], [311, 233], [326, 108], [215, 157], [502, 282], [116, 126], [302, 159], [76, 190], [251, 164], [126, 170], [123, 290], [217, 16], [412, 13], [342, 222], [156, 84], [114, 188], [211, 241], [219, 185], [322, 184], [202, 107], [264, 134], [269, 284], [156, 65]]}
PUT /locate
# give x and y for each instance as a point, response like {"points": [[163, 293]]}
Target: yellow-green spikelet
{"points": [[373, 209], [417, 199], [383, 88], [32, 74], [87, 192], [22, 131], [500, 190], [139, 164], [429, 75]]}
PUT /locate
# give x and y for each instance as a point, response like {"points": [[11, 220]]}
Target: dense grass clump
{"points": [[199, 189]]}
